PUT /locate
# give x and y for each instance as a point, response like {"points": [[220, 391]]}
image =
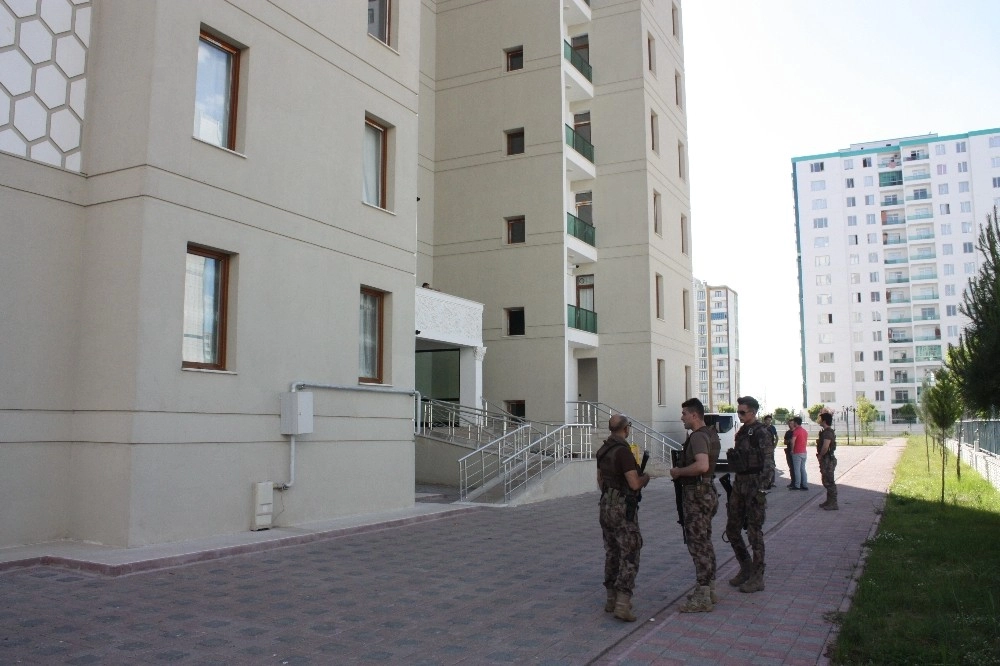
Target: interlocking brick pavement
{"points": [[477, 586]]}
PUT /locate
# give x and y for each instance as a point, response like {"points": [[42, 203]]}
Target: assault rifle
{"points": [[675, 461], [632, 506], [727, 485]]}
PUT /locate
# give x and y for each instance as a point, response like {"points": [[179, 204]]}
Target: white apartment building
{"points": [[887, 235], [208, 206], [718, 345]]}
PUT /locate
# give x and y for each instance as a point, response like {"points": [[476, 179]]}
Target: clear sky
{"points": [[769, 80]]}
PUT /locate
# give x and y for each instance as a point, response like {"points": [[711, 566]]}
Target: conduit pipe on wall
{"points": [[297, 385]]}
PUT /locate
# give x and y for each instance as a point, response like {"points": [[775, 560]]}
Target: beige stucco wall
{"points": [[103, 436]]}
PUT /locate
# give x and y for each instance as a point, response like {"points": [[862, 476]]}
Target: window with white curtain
{"points": [[370, 336], [374, 175], [216, 87]]}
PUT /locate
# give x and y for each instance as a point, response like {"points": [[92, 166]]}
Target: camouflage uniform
{"points": [[701, 502], [622, 538], [748, 498], [828, 465]]}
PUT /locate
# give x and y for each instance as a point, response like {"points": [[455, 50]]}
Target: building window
{"points": [[967, 248], [515, 141], [826, 357], [681, 161], [818, 204], [380, 19], [515, 408], [942, 169], [686, 306], [375, 164], [822, 260], [869, 199], [849, 183], [206, 295], [876, 296], [859, 357], [675, 22], [685, 236], [866, 162], [859, 375], [943, 188], [879, 396], [877, 336], [960, 147], [944, 209], [657, 214], [848, 165], [679, 90], [515, 230], [852, 220], [515, 321], [852, 239], [851, 202], [514, 58], [216, 91], [963, 186], [658, 280], [651, 53], [951, 310], [870, 218], [877, 356], [815, 167], [654, 134], [370, 336], [661, 381], [820, 223], [963, 167], [966, 227], [965, 206], [817, 186]]}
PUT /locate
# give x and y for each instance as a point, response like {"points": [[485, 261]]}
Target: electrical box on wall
{"points": [[263, 505], [297, 413]]}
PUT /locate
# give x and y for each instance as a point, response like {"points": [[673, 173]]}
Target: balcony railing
{"points": [[917, 176], [578, 61], [899, 320], [932, 317], [927, 338], [575, 141], [912, 157], [890, 201], [579, 229], [892, 220], [895, 260], [578, 318], [923, 256], [921, 216], [924, 276], [901, 380], [899, 299], [919, 197], [897, 280], [921, 235], [928, 359], [904, 359], [889, 163], [900, 339], [895, 240], [903, 401], [926, 297]]}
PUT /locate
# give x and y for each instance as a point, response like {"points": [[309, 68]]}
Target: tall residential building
{"points": [[210, 206], [554, 190], [718, 345], [887, 234]]}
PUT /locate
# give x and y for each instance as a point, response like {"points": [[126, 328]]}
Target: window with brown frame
{"points": [[380, 19], [651, 53], [515, 321], [515, 230], [654, 131], [370, 336], [659, 296], [678, 89], [686, 307], [657, 214], [515, 58], [515, 141], [685, 242], [661, 381], [206, 291], [375, 160], [681, 161], [216, 91]]}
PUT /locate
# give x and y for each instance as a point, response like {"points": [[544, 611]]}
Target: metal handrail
{"points": [[478, 468], [571, 441], [450, 419], [645, 437]]}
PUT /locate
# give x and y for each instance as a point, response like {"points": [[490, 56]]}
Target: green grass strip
{"points": [[930, 592]]}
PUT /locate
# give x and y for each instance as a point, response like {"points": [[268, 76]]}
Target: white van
{"points": [[725, 424]]}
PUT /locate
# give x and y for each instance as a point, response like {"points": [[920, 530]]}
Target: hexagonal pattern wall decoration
{"points": [[43, 82]]}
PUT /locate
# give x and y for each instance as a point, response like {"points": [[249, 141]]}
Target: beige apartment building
{"points": [[216, 217]]}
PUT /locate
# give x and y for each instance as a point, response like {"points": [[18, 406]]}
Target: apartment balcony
{"points": [[897, 280], [577, 75], [902, 380], [891, 162], [924, 276], [904, 401], [933, 337], [923, 256], [901, 359], [900, 340], [579, 160], [576, 12], [890, 220], [919, 197], [926, 215], [899, 320], [926, 297], [916, 156], [580, 241], [580, 319], [890, 201], [933, 317], [916, 176], [893, 240], [928, 359], [898, 299], [895, 260], [921, 235]]}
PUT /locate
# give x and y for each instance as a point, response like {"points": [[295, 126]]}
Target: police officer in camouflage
{"points": [[619, 479], [826, 444], [752, 459], [700, 501]]}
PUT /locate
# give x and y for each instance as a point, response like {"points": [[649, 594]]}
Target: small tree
{"points": [[866, 414], [726, 408], [781, 415], [815, 411], [925, 416], [908, 412], [944, 405], [974, 361]]}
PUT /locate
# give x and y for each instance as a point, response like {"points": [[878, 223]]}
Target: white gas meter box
{"points": [[297, 413]]}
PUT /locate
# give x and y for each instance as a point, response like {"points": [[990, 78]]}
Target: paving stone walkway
{"points": [[475, 586]]}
